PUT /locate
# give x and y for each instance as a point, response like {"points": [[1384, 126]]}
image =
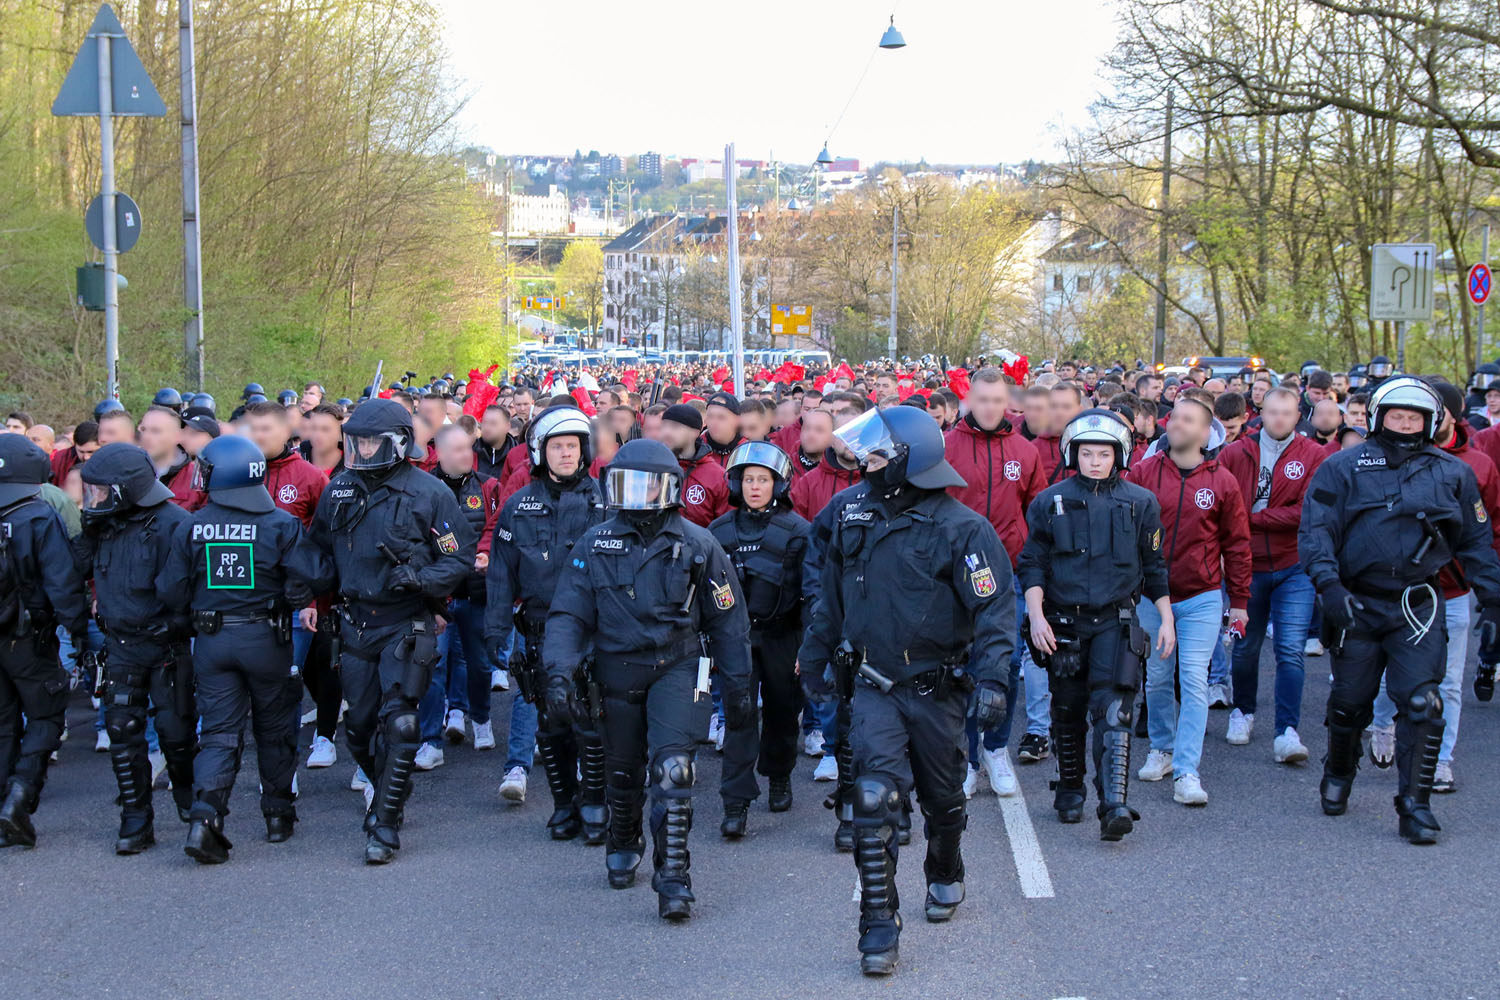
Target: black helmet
{"points": [[1308, 366], [764, 455], [253, 389], [379, 436], [1096, 426], [909, 439], [1380, 367], [202, 405], [1357, 376], [23, 468], [1406, 392], [120, 477], [558, 421], [106, 406], [345, 402], [645, 475], [168, 397], [1484, 376], [287, 397], [254, 398], [396, 387], [447, 376], [233, 471]]}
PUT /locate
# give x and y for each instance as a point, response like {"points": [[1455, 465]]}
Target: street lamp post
{"points": [[895, 274]]}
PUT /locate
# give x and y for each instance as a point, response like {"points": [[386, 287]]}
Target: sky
{"points": [[979, 81]]}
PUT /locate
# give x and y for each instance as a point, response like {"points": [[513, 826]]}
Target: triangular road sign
{"points": [[133, 93]]}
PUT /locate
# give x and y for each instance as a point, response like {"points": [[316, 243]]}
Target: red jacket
{"points": [[295, 485], [802, 465], [811, 492], [1205, 533], [705, 491], [489, 490], [789, 438], [63, 460], [1273, 531], [721, 455], [1488, 475], [1487, 441], [180, 483], [1049, 453], [1003, 474]]}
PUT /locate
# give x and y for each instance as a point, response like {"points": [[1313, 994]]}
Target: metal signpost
{"points": [[1478, 287], [1401, 287], [736, 325]]}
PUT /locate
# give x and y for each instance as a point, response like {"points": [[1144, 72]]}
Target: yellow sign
{"points": [[546, 302], [791, 321]]}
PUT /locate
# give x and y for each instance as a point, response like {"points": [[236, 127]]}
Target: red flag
{"points": [[842, 371], [584, 403], [820, 382], [789, 373], [688, 397], [958, 381], [728, 386], [764, 375], [904, 391], [719, 374], [1017, 369], [629, 379], [480, 392]]}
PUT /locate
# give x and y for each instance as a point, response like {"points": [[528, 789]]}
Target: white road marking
{"points": [[1031, 867]]}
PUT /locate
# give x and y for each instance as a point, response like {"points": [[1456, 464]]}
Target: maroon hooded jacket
{"points": [[1004, 474], [1273, 531], [1485, 470], [295, 485], [1205, 532], [705, 491], [812, 491]]}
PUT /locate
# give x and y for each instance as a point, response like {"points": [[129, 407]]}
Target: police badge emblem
{"points": [[723, 596], [983, 582]]}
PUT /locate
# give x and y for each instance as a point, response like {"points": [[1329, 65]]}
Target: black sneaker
{"points": [[1032, 748]]}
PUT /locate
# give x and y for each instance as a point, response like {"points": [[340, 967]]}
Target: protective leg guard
{"points": [[403, 736], [626, 844], [558, 764], [672, 774], [593, 807], [206, 843], [1069, 731], [877, 806], [903, 822], [842, 799], [944, 865], [1345, 724], [180, 771], [133, 776], [1418, 763], [1112, 747], [15, 813]]}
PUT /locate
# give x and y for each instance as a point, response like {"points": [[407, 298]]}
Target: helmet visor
{"points": [[763, 454], [374, 451], [635, 489], [100, 499], [1483, 380], [866, 435], [1378, 369]]}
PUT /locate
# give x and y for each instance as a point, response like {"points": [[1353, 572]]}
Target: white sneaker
{"points": [[1288, 748], [1188, 790], [1158, 765], [360, 781], [101, 742], [453, 728], [1442, 778], [827, 769], [716, 732], [1240, 725], [1218, 696], [323, 754], [369, 791], [499, 679], [158, 767], [513, 788], [1313, 647], [812, 743], [971, 782], [484, 736], [429, 756], [1382, 745], [996, 764]]}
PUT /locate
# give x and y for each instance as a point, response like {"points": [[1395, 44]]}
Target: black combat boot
{"points": [[133, 776], [15, 814], [1342, 762], [672, 880], [206, 843], [627, 843], [736, 819], [593, 808], [779, 799], [944, 865]]}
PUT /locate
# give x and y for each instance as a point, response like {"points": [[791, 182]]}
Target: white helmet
{"points": [[1406, 392], [556, 421], [1096, 426]]}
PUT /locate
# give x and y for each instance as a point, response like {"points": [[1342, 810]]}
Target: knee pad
{"points": [[1108, 708], [876, 800], [946, 814], [1425, 704], [672, 771], [123, 725], [1355, 717], [403, 727]]}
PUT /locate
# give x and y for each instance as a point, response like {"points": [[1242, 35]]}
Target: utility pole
{"points": [[1484, 255], [107, 200], [192, 246], [736, 320], [505, 245], [895, 277], [1159, 340]]}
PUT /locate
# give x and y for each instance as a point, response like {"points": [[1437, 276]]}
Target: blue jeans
{"points": [[468, 690], [1181, 732], [1218, 664], [1285, 597], [1452, 686], [521, 744], [1038, 697]]}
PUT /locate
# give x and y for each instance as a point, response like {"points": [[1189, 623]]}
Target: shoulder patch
{"points": [[447, 544], [1156, 540], [983, 582], [1480, 514], [723, 595]]}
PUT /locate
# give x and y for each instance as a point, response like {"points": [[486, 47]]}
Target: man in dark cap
{"points": [[723, 431], [40, 588], [705, 491]]}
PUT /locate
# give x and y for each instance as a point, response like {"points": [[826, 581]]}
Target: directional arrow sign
{"points": [[1401, 281], [134, 94], [1479, 284]]}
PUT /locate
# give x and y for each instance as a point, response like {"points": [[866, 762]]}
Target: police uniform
{"points": [[148, 662], [766, 547], [1093, 546], [40, 588], [240, 566], [918, 586], [533, 541], [641, 587], [1379, 523], [400, 546]]}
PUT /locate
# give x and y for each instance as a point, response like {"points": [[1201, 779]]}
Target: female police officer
{"points": [[913, 579], [641, 587], [1094, 545]]}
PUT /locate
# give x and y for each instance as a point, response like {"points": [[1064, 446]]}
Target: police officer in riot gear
{"points": [[1358, 376], [400, 545], [916, 587], [641, 587], [1378, 370], [128, 526], [1094, 545], [168, 397], [766, 543], [40, 588], [533, 541], [241, 566], [1379, 522]]}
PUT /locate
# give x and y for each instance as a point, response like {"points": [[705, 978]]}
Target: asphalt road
{"points": [[1258, 895]]}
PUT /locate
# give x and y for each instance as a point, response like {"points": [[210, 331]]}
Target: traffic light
{"points": [[90, 286]]}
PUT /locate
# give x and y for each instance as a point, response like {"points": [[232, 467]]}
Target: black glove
{"points": [[1340, 606], [1489, 634], [739, 709], [559, 699], [989, 705], [404, 579]]}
